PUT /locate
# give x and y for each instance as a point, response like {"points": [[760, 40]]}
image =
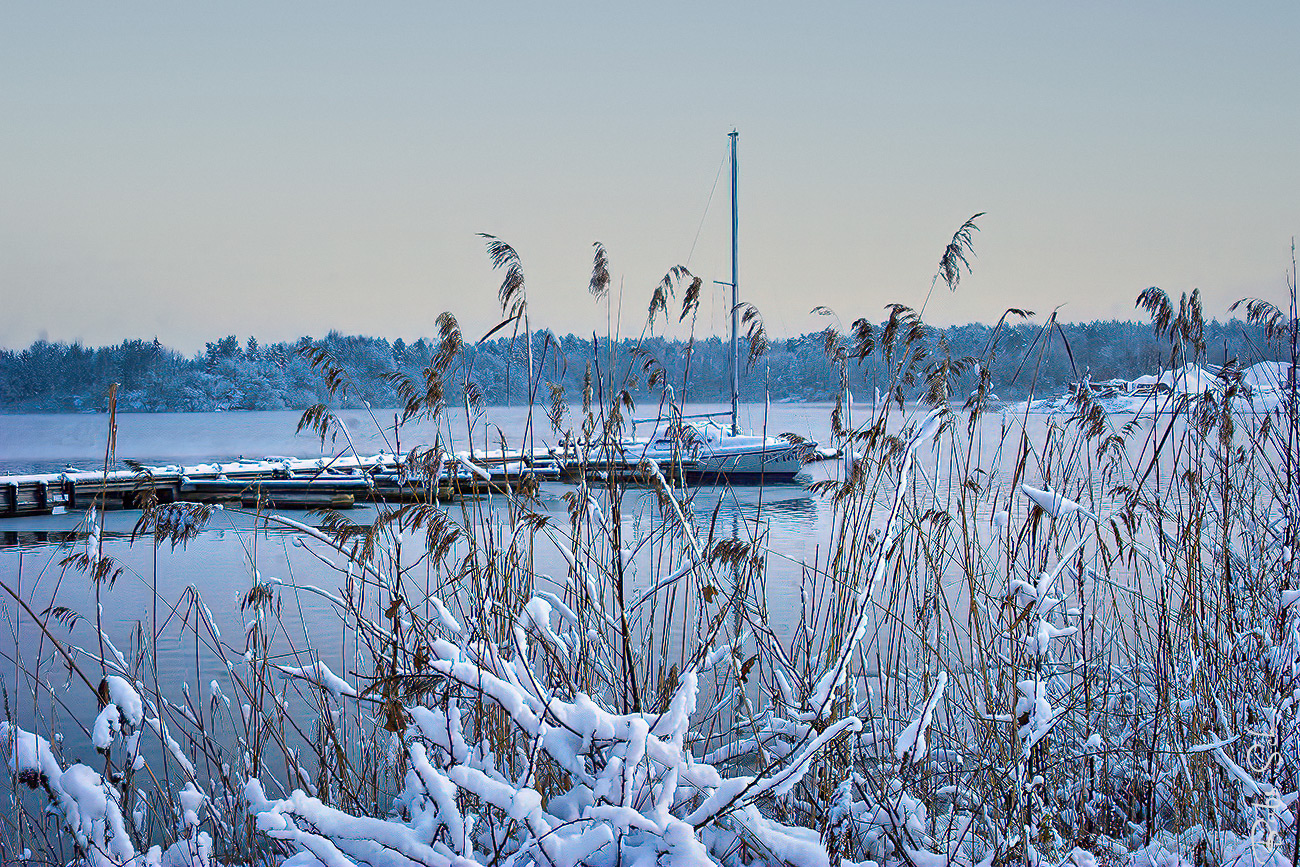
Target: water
{"points": [[167, 591]]}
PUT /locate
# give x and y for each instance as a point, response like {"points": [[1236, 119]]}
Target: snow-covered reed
{"points": [[1076, 650]]}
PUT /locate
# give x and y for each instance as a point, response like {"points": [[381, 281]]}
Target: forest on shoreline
{"points": [[233, 374]]}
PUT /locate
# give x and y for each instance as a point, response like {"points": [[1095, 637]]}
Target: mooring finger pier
{"points": [[272, 482]]}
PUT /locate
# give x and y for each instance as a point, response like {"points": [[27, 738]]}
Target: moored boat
{"points": [[698, 448]]}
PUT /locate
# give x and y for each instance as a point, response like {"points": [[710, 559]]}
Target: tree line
{"points": [[229, 374]]}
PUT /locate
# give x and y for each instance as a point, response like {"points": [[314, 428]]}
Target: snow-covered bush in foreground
{"points": [[89, 809]]}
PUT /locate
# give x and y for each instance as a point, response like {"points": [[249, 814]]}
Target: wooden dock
{"points": [[272, 483]]}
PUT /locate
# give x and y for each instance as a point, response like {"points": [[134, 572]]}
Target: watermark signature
{"points": [[1261, 758]]}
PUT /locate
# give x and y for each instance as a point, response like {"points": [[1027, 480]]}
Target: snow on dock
{"points": [[272, 482]]}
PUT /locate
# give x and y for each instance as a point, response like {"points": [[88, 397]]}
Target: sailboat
{"points": [[700, 448]]}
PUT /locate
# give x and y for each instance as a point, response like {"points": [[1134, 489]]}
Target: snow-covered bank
{"points": [[1259, 388]]}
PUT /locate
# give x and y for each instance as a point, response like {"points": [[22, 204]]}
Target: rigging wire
{"points": [[705, 215]]}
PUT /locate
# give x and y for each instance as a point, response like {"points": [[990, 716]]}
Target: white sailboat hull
{"points": [[740, 458], [766, 465]]}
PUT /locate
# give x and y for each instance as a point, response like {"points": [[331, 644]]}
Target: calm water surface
{"points": [[217, 568]]}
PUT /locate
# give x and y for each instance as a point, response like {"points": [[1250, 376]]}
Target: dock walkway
{"points": [[272, 482]]}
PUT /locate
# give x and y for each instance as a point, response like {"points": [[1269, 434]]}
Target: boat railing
{"points": [[726, 414]]}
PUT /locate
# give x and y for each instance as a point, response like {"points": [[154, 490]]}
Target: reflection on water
{"points": [[72, 530], [786, 508], [35, 538]]}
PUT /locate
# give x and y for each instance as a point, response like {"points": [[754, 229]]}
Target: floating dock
{"points": [[272, 483], [337, 482]]}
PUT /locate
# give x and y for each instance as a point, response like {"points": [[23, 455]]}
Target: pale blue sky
{"points": [[190, 170]]}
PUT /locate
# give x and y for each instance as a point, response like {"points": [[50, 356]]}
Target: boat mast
{"points": [[735, 297]]}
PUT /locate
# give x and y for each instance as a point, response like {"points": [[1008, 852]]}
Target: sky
{"points": [[192, 170]]}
